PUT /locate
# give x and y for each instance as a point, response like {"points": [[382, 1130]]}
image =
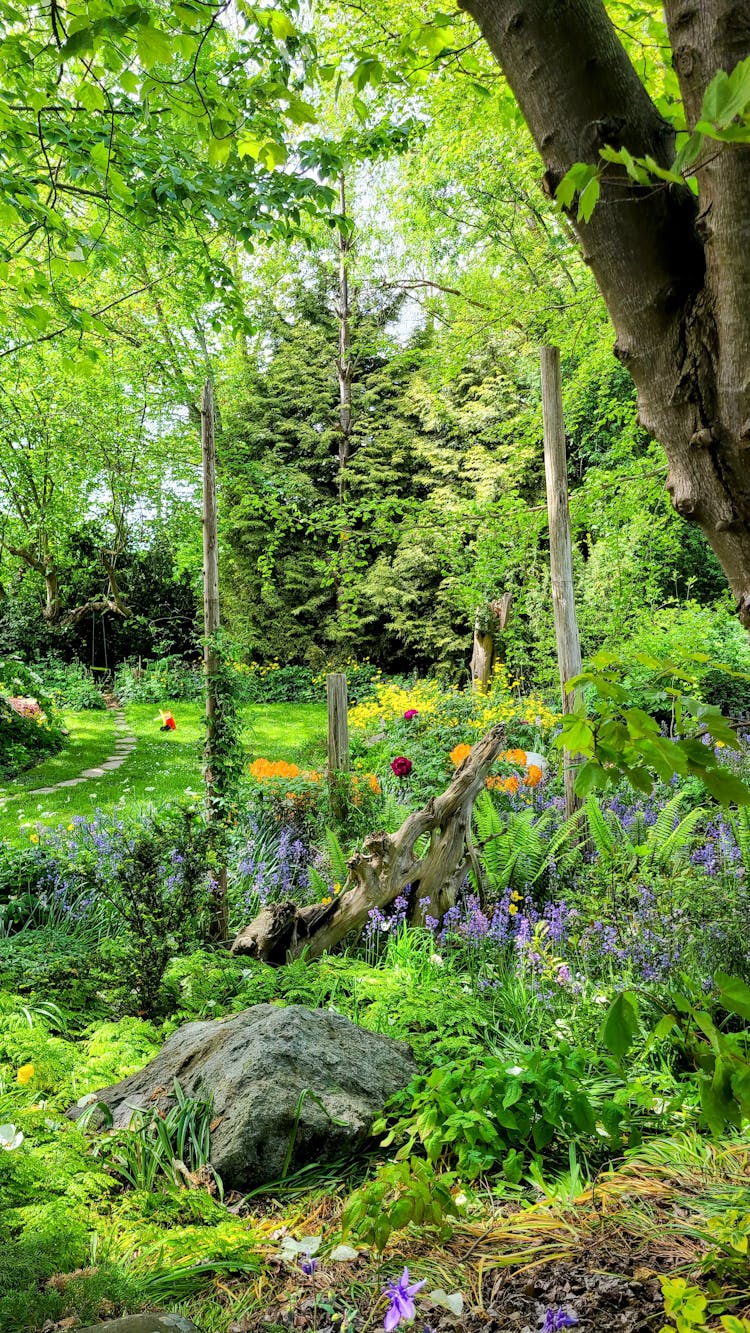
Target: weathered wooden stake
{"points": [[338, 726], [560, 546], [218, 900]]}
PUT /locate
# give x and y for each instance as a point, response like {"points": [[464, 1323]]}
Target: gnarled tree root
{"points": [[387, 866]]}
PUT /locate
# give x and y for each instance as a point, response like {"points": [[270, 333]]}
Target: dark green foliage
{"points": [[71, 684], [497, 1113], [400, 1194], [30, 726], [157, 886]]}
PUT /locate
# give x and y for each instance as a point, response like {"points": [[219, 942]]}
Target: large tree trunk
{"points": [[388, 866], [674, 272]]}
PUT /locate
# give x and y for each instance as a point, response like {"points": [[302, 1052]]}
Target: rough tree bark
{"points": [[674, 271], [389, 865]]}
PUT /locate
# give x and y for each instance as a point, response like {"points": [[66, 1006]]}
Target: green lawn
{"points": [[163, 766]]}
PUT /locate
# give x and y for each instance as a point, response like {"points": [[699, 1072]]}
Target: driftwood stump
{"points": [[387, 866]]}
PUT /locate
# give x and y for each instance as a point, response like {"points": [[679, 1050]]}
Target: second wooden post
{"points": [[560, 547]]}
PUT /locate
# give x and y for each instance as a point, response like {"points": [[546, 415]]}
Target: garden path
{"points": [[124, 745]]}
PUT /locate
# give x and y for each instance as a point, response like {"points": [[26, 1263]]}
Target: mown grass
{"points": [[164, 765]]}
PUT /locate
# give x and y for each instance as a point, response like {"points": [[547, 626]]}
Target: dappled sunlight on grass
{"points": [[164, 766]]}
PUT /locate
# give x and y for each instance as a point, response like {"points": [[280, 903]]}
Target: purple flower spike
{"points": [[555, 1320], [400, 1301]]}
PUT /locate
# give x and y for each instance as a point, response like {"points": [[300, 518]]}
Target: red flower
{"points": [[401, 766], [410, 713]]}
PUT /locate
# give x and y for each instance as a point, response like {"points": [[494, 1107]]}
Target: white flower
{"points": [[436, 960], [10, 1137]]}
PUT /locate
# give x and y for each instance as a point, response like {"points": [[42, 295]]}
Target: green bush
{"points": [[269, 682], [501, 1112], [702, 639], [71, 685], [30, 726], [166, 679]]}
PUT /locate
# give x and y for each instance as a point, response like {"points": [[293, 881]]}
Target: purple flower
{"points": [[401, 766], [554, 1320], [400, 1301], [308, 1266]]}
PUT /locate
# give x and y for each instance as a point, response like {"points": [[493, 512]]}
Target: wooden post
{"points": [[560, 546], [218, 897], [338, 726]]}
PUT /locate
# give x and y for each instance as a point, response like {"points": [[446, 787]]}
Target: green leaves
{"points": [[620, 741], [621, 1024], [582, 179], [726, 98]]}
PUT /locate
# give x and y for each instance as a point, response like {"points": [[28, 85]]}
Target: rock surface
{"points": [[268, 1070], [145, 1323]]}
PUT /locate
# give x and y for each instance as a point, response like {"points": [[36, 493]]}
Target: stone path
{"points": [[125, 743]]}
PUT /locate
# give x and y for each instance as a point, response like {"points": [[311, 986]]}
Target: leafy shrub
{"points": [[400, 1194], [166, 679], [156, 879], [498, 1112], [270, 682], [703, 639], [30, 727], [71, 685]]}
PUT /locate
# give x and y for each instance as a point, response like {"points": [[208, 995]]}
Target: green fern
{"points": [[666, 851], [600, 832], [515, 851], [336, 856], [740, 822]]}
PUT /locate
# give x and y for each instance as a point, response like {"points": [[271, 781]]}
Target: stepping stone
{"points": [[90, 773], [42, 791], [70, 782], [110, 764]]}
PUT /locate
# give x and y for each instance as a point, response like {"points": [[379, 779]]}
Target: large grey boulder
{"points": [[267, 1070]]}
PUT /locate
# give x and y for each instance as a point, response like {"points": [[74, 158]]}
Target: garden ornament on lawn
{"points": [[167, 721]]}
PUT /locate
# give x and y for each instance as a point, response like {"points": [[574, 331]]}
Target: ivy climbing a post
{"points": [[222, 752]]}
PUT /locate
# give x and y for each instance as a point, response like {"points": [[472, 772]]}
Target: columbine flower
{"points": [[401, 766], [400, 1301], [410, 713], [554, 1320]]}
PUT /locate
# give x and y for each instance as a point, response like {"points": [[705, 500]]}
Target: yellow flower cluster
{"points": [[460, 752], [390, 702], [25, 1075]]}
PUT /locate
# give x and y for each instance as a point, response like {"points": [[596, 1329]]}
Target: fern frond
{"points": [[599, 830], [679, 839], [661, 829], [336, 856]]}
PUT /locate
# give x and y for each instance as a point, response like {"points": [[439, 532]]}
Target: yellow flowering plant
{"points": [[434, 727]]}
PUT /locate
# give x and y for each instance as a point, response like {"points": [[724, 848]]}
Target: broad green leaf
{"points": [[734, 994], [620, 1025]]}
